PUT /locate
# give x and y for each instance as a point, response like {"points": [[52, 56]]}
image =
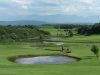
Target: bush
{"points": [[95, 50]]}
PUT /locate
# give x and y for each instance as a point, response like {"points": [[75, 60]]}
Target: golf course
{"points": [[79, 45], [49, 37]]}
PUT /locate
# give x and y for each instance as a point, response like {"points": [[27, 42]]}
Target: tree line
{"points": [[82, 29], [19, 33], [90, 29]]}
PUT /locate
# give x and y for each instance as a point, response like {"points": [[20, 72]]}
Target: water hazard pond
{"points": [[46, 60]]}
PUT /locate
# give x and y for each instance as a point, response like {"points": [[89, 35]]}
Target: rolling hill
{"points": [[22, 22]]}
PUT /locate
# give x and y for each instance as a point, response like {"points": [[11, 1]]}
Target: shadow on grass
{"points": [[52, 49], [89, 57]]}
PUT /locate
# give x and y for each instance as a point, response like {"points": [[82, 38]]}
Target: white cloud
{"points": [[51, 7], [22, 3], [66, 7]]}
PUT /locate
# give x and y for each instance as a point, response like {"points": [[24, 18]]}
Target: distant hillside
{"points": [[22, 22], [63, 19]]}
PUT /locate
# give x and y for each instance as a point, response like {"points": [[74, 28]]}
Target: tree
{"points": [[3, 38], [62, 48], [14, 36], [26, 35], [65, 51], [41, 39], [70, 33], [95, 50]]}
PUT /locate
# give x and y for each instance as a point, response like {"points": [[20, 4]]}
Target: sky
{"points": [[35, 9]]}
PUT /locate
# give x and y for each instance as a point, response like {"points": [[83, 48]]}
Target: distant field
{"points": [[53, 31], [78, 38], [89, 65]]}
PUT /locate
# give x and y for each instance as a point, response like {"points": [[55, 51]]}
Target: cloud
{"points": [[49, 7], [22, 3], [66, 7]]}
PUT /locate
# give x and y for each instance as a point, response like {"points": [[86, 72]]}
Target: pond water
{"points": [[56, 43], [62, 43], [46, 60]]}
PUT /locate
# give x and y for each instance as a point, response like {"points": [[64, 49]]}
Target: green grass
{"points": [[89, 65], [81, 38]]}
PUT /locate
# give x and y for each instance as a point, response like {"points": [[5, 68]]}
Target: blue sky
{"points": [[34, 9]]}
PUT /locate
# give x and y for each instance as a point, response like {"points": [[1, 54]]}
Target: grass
{"points": [[89, 65], [81, 38]]}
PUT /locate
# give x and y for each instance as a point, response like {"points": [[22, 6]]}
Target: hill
{"points": [[22, 22]]}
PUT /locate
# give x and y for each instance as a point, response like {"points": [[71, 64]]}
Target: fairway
{"points": [[89, 65]]}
